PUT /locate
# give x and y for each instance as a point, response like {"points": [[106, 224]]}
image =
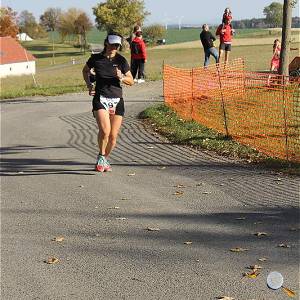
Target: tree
{"points": [[286, 36], [154, 32], [49, 20], [8, 23], [28, 24], [274, 13], [120, 15], [82, 25], [67, 21], [26, 20]]}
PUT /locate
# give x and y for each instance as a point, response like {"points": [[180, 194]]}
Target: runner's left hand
{"points": [[119, 73]]}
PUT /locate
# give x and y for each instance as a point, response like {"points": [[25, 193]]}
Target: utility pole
{"points": [[286, 37]]}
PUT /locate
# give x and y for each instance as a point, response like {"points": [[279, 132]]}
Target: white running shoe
{"points": [[141, 80], [135, 80]]}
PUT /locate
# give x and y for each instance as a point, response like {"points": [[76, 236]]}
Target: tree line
{"points": [[116, 15]]}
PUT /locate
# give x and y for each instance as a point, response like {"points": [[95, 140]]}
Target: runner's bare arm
{"points": [[127, 78], [85, 73]]}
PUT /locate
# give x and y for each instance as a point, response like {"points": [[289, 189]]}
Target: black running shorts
{"points": [[119, 109]]}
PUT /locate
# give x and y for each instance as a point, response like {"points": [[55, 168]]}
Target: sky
{"points": [[162, 11]]}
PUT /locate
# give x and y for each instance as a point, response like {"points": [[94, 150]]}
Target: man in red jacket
{"points": [[138, 57], [225, 32]]}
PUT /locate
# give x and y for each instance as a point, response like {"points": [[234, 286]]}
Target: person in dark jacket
{"points": [[138, 56], [207, 40]]}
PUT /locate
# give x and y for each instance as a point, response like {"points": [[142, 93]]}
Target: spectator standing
{"points": [[225, 32], [207, 40], [138, 56]]}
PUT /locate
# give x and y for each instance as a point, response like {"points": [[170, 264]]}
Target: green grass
{"points": [[165, 121], [172, 35]]}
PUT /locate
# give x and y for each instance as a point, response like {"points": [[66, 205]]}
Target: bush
{"points": [[153, 32]]}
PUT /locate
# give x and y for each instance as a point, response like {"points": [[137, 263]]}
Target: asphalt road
{"points": [[49, 189]]}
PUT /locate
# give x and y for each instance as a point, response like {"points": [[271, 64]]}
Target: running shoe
{"points": [[107, 166], [100, 165]]}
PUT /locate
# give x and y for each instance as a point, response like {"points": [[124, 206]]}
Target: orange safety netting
{"points": [[256, 109]]}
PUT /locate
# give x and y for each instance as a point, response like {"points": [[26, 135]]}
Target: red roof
{"points": [[12, 52]]}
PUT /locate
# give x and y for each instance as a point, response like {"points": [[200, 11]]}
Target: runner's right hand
{"points": [[91, 90]]}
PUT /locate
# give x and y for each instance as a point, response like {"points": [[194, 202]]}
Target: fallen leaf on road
{"points": [[225, 298], [289, 292], [161, 168], [58, 239], [258, 234], [252, 274], [124, 199], [255, 268], [152, 229], [81, 186], [121, 218], [200, 184], [52, 260], [293, 229], [177, 193], [284, 246], [238, 249], [188, 243], [262, 259], [131, 174], [241, 218], [179, 186], [206, 193], [114, 207]]}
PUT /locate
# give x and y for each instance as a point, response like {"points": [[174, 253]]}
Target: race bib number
{"points": [[109, 104]]}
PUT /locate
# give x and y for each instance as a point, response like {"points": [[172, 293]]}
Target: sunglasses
{"points": [[115, 45]]}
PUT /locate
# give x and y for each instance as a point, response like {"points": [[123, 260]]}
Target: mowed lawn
{"points": [[64, 76]]}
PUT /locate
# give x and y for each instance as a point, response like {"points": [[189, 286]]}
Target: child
{"points": [[227, 16]]}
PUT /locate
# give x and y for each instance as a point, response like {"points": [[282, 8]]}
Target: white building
{"points": [[14, 59], [24, 37]]}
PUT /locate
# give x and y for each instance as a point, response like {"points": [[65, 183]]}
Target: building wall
{"points": [[17, 69]]}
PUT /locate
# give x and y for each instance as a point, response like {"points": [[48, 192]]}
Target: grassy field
{"points": [[63, 76], [174, 36]]}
